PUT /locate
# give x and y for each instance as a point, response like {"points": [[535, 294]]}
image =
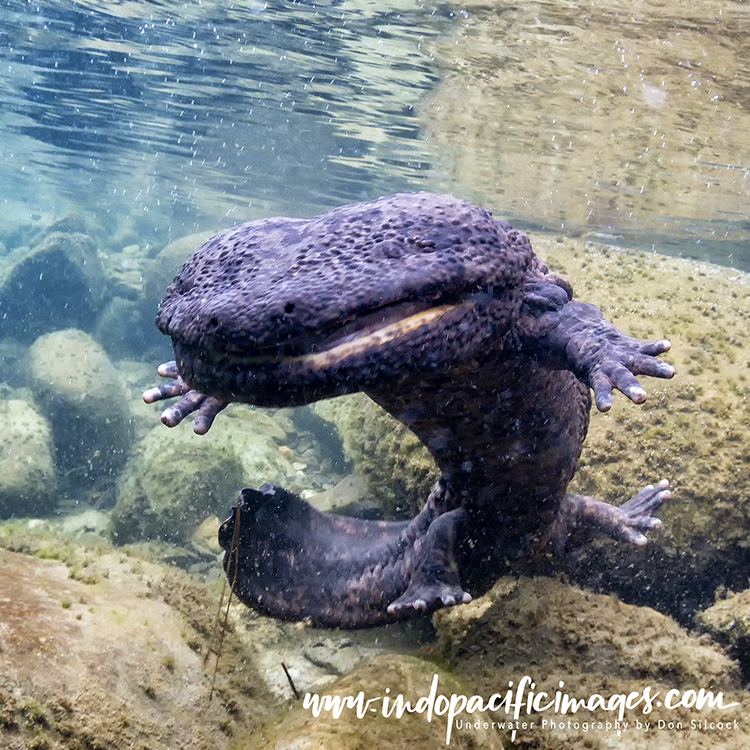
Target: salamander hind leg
{"points": [[435, 583], [579, 516], [287, 559]]}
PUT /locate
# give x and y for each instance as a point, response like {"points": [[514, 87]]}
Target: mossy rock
{"points": [[388, 675], [28, 479], [57, 284], [165, 495], [79, 391], [175, 479], [102, 649], [728, 623], [398, 469], [583, 644], [691, 430]]}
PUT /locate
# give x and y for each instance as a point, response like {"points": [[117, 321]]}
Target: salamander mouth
{"points": [[357, 336], [373, 336]]}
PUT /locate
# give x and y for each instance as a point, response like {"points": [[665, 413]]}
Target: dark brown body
{"points": [[446, 318]]}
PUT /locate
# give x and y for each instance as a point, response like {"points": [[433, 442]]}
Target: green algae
{"points": [[145, 626]]}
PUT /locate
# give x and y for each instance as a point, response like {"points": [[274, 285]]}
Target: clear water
{"points": [[626, 123], [208, 113]]}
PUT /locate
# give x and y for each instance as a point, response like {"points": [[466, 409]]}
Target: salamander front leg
{"points": [[192, 401], [576, 336]]}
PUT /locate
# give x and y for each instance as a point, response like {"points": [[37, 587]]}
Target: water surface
{"points": [[624, 121], [177, 114]]}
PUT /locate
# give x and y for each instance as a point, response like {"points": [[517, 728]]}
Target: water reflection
{"points": [[207, 106], [626, 120]]}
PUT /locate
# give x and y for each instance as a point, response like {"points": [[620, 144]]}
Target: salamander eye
{"points": [[289, 308]]}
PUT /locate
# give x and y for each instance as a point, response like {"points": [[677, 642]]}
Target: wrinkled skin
{"points": [[446, 318]]}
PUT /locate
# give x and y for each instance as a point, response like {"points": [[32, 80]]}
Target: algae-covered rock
{"points": [[121, 329], [14, 369], [99, 649], [170, 487], [551, 627], [728, 623], [350, 497], [398, 469], [28, 480], [125, 270], [176, 479], [56, 285], [78, 390], [582, 644], [383, 676], [692, 430]]}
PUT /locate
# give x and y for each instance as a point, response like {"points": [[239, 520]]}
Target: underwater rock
{"points": [[728, 623], [70, 224], [125, 271], [176, 479], [349, 497], [255, 437], [78, 390], [398, 468], [28, 480], [14, 365], [550, 627], [338, 658], [121, 330], [57, 284], [100, 649], [592, 644], [406, 675], [171, 485]]}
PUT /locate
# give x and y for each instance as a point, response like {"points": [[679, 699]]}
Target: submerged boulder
{"points": [[100, 649], [376, 679], [172, 483], [57, 284], [728, 623], [535, 644], [397, 467], [28, 480], [591, 647], [121, 330], [78, 390], [176, 479]]}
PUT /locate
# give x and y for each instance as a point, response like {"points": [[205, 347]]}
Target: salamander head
{"points": [[284, 311]]}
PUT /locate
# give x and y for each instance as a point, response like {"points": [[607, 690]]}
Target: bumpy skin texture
{"points": [[447, 319]]}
